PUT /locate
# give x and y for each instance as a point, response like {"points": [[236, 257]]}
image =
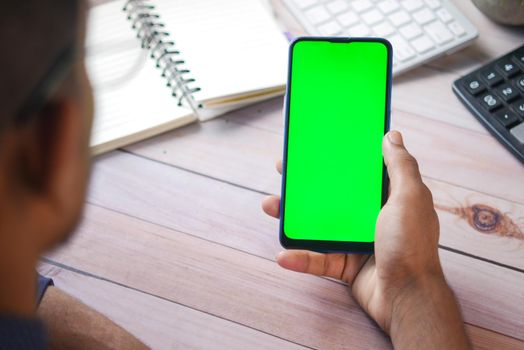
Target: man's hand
{"points": [[403, 283]]}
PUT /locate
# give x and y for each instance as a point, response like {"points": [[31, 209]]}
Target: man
{"points": [[45, 121]]}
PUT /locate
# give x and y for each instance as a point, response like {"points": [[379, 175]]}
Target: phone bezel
{"points": [[318, 245]]}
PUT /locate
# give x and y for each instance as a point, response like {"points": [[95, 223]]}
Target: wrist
{"points": [[413, 296], [425, 314], [404, 290]]}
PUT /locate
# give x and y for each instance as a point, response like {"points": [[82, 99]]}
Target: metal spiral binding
{"points": [[150, 30]]}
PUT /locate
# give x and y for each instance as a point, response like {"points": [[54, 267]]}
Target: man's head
{"points": [[45, 121]]}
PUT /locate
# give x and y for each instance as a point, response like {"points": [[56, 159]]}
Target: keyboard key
{"points": [[412, 5], [422, 44], [444, 15], [399, 18], [337, 6], [490, 102], [519, 107], [457, 29], [317, 14], [519, 56], [508, 68], [372, 17], [362, 5], [518, 133], [410, 31], [475, 86], [330, 28], [303, 4], [359, 30], [491, 77], [439, 33], [387, 6], [423, 16], [507, 92], [433, 4], [520, 83], [348, 19], [507, 118], [401, 48], [384, 29]]}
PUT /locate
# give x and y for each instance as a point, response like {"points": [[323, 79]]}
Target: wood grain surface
{"points": [[165, 324], [208, 274], [242, 226], [175, 248]]}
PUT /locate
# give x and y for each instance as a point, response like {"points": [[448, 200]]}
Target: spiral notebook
{"points": [[157, 65]]}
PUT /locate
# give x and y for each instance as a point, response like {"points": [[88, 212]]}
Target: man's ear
{"points": [[52, 165], [50, 145], [67, 166]]}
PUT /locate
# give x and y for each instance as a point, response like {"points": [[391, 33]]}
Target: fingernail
{"points": [[395, 138]]}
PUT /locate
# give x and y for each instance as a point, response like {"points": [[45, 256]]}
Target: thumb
{"points": [[402, 167]]}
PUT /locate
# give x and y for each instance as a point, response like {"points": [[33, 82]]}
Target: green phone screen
{"points": [[337, 116]]}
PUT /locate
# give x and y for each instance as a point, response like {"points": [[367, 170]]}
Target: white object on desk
{"points": [[131, 100], [233, 50], [419, 30]]}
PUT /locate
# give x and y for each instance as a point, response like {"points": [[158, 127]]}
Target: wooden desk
{"points": [[174, 246]]}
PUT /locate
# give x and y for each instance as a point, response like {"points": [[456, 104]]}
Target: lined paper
{"points": [[132, 101], [232, 47]]}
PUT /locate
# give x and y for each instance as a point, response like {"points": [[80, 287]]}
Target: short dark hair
{"points": [[34, 33]]}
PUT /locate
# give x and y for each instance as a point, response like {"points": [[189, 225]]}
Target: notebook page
{"points": [[132, 101], [232, 47]]}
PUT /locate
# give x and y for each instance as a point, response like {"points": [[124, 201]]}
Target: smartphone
{"points": [[337, 109]]}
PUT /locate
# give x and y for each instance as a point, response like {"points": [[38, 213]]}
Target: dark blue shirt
{"points": [[25, 333], [21, 333]]}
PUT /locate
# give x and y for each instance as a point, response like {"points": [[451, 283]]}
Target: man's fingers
{"points": [[330, 265], [271, 206], [402, 167], [340, 266], [279, 166]]}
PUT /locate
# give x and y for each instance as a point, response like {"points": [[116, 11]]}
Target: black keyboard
{"points": [[494, 94]]}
